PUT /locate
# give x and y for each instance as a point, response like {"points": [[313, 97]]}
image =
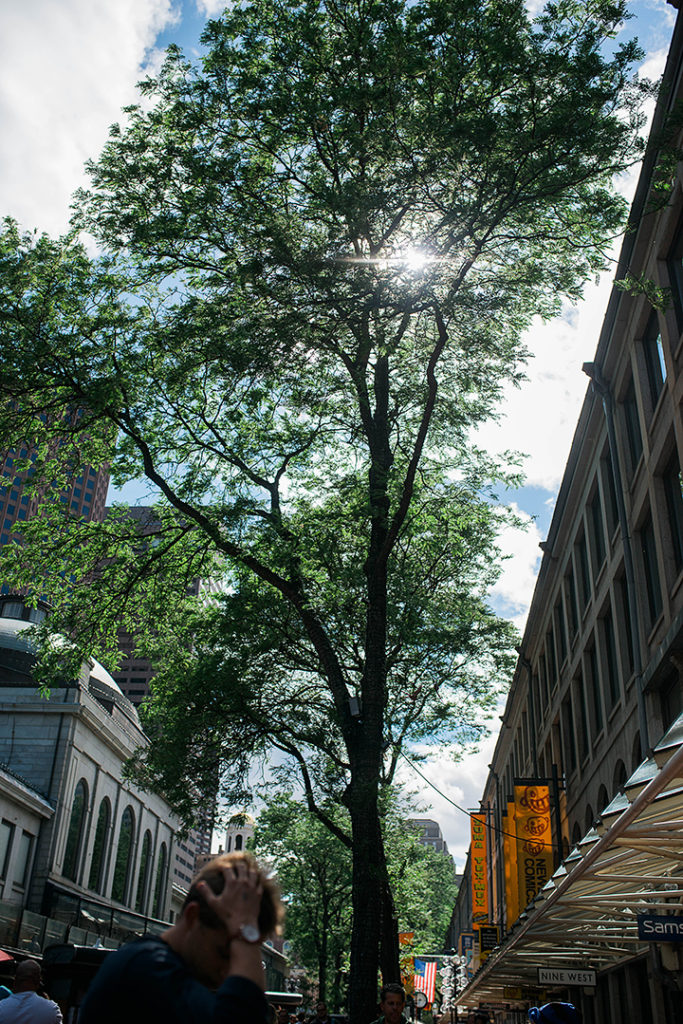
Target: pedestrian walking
{"points": [[392, 1001], [555, 1013], [25, 1006]]}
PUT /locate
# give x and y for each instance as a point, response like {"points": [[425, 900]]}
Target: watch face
{"points": [[250, 933]]}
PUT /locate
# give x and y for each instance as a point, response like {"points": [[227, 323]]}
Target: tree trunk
{"points": [[322, 956], [368, 865], [389, 952], [370, 877]]}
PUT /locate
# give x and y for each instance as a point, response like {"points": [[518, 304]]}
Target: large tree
{"points": [[320, 246]]}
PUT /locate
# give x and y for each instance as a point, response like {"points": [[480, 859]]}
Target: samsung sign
{"points": [[656, 928]]}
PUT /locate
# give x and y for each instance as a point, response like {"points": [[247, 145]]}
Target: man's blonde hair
{"points": [[271, 912]]}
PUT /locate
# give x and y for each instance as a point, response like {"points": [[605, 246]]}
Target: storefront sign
{"points": [[660, 928], [488, 938], [560, 976]]}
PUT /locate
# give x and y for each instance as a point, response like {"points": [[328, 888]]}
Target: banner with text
{"points": [[510, 866], [479, 866], [534, 840]]}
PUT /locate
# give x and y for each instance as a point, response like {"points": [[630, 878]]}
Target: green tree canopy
{"points": [[315, 871], [320, 246]]}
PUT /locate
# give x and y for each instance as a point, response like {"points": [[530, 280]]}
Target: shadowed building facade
{"points": [[593, 711]]}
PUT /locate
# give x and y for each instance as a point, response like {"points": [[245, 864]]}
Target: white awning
{"points": [[585, 917]]}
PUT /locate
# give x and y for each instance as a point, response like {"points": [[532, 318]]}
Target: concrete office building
{"points": [[597, 693], [84, 497], [429, 834]]}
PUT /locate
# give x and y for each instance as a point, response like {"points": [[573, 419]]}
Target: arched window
{"points": [[74, 837], [619, 774], [589, 818], [160, 882], [238, 842], [144, 873], [96, 880], [123, 856], [576, 834], [636, 756], [603, 799]]}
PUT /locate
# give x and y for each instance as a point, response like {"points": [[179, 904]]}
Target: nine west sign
{"points": [[564, 976], [658, 928]]}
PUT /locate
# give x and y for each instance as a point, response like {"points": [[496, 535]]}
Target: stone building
{"points": [[84, 855], [598, 690]]}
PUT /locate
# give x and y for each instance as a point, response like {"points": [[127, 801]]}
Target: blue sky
{"points": [[66, 70]]}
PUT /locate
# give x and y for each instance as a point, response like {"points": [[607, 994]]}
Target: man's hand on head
{"points": [[238, 904]]}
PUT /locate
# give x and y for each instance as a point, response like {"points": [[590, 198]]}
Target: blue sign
{"points": [[657, 928]]}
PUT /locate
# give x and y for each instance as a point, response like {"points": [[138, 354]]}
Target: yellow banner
{"points": [[407, 964], [479, 868], [510, 864], [534, 840]]}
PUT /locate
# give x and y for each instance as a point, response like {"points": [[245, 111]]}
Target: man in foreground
{"points": [[206, 967], [25, 1006]]}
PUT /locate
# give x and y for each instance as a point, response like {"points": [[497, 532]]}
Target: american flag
{"points": [[425, 978]]}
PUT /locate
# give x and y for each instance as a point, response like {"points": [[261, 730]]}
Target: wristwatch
{"points": [[249, 932]]}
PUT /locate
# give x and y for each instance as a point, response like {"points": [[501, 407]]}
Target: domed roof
{"points": [[15, 637], [100, 673], [240, 819]]}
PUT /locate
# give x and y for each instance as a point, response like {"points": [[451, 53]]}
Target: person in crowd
{"points": [[392, 1001], [555, 1013], [206, 968], [25, 1006], [321, 1014]]}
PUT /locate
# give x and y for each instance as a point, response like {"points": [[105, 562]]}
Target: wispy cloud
{"points": [[512, 593], [66, 69]]}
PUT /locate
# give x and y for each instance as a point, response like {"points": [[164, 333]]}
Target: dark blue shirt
{"points": [[146, 982]]}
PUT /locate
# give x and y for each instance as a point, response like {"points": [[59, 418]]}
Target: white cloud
{"points": [[512, 593], [460, 782], [539, 418], [212, 8], [66, 69]]}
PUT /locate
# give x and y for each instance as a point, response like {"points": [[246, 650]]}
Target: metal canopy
{"points": [[585, 917]]}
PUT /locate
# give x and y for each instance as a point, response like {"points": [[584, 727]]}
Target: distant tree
{"points": [[321, 244], [424, 887], [315, 872]]}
